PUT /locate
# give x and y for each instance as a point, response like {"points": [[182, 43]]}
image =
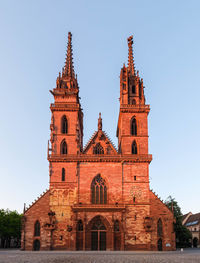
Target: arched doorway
{"points": [[195, 242], [160, 244], [36, 245], [98, 234]]}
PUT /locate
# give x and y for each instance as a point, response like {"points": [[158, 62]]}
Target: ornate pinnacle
{"points": [[69, 68], [131, 66], [100, 122]]}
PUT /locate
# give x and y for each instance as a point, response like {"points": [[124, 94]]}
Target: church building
{"points": [[99, 196]]}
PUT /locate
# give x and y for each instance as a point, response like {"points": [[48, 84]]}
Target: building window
{"points": [[134, 177], [134, 147], [133, 89], [63, 174], [63, 147], [133, 102], [98, 149], [79, 225], [64, 125], [133, 126], [159, 228], [37, 229], [99, 190]]}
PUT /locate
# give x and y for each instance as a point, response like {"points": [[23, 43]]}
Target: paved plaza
{"points": [[17, 256]]}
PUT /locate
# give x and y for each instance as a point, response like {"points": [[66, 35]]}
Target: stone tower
{"points": [[66, 144]]}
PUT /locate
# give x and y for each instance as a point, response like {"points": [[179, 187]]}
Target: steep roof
{"points": [[193, 220], [185, 217], [100, 137]]}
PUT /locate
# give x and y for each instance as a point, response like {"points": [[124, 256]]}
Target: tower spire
{"points": [[131, 66], [69, 67]]}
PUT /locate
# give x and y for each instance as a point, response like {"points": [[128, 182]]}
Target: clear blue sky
{"points": [[33, 43]]}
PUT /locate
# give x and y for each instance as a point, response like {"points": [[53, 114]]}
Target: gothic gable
{"points": [[100, 144]]}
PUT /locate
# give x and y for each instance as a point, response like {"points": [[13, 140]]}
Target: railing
{"points": [[135, 106], [101, 157], [64, 105], [102, 207]]}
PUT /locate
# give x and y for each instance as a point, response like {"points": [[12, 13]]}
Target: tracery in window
{"points": [[98, 225], [134, 147], [99, 190], [37, 229], [98, 149], [64, 125], [63, 147], [133, 126]]}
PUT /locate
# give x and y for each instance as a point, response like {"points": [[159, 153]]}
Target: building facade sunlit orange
{"points": [[99, 196]]}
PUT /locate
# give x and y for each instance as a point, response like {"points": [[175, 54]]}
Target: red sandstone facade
{"points": [[99, 197]]}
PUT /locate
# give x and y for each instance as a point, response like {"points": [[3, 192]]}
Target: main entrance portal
{"points": [[98, 235]]}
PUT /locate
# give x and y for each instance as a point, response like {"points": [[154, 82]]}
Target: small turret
{"points": [[131, 86], [100, 122]]}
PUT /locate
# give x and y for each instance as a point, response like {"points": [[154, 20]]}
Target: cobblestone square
{"points": [[17, 256]]}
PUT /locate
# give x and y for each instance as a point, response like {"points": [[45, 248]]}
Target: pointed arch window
{"points": [[63, 174], [64, 125], [63, 147], [133, 126], [98, 149], [37, 229], [134, 148], [133, 102], [99, 190], [159, 228]]}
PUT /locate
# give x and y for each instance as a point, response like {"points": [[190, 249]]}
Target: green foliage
{"points": [[183, 235], [10, 226]]}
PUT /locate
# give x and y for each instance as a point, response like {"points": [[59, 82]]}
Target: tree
{"points": [[183, 235], [10, 227]]}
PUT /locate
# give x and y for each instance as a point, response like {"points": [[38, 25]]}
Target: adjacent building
{"points": [[192, 222]]}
